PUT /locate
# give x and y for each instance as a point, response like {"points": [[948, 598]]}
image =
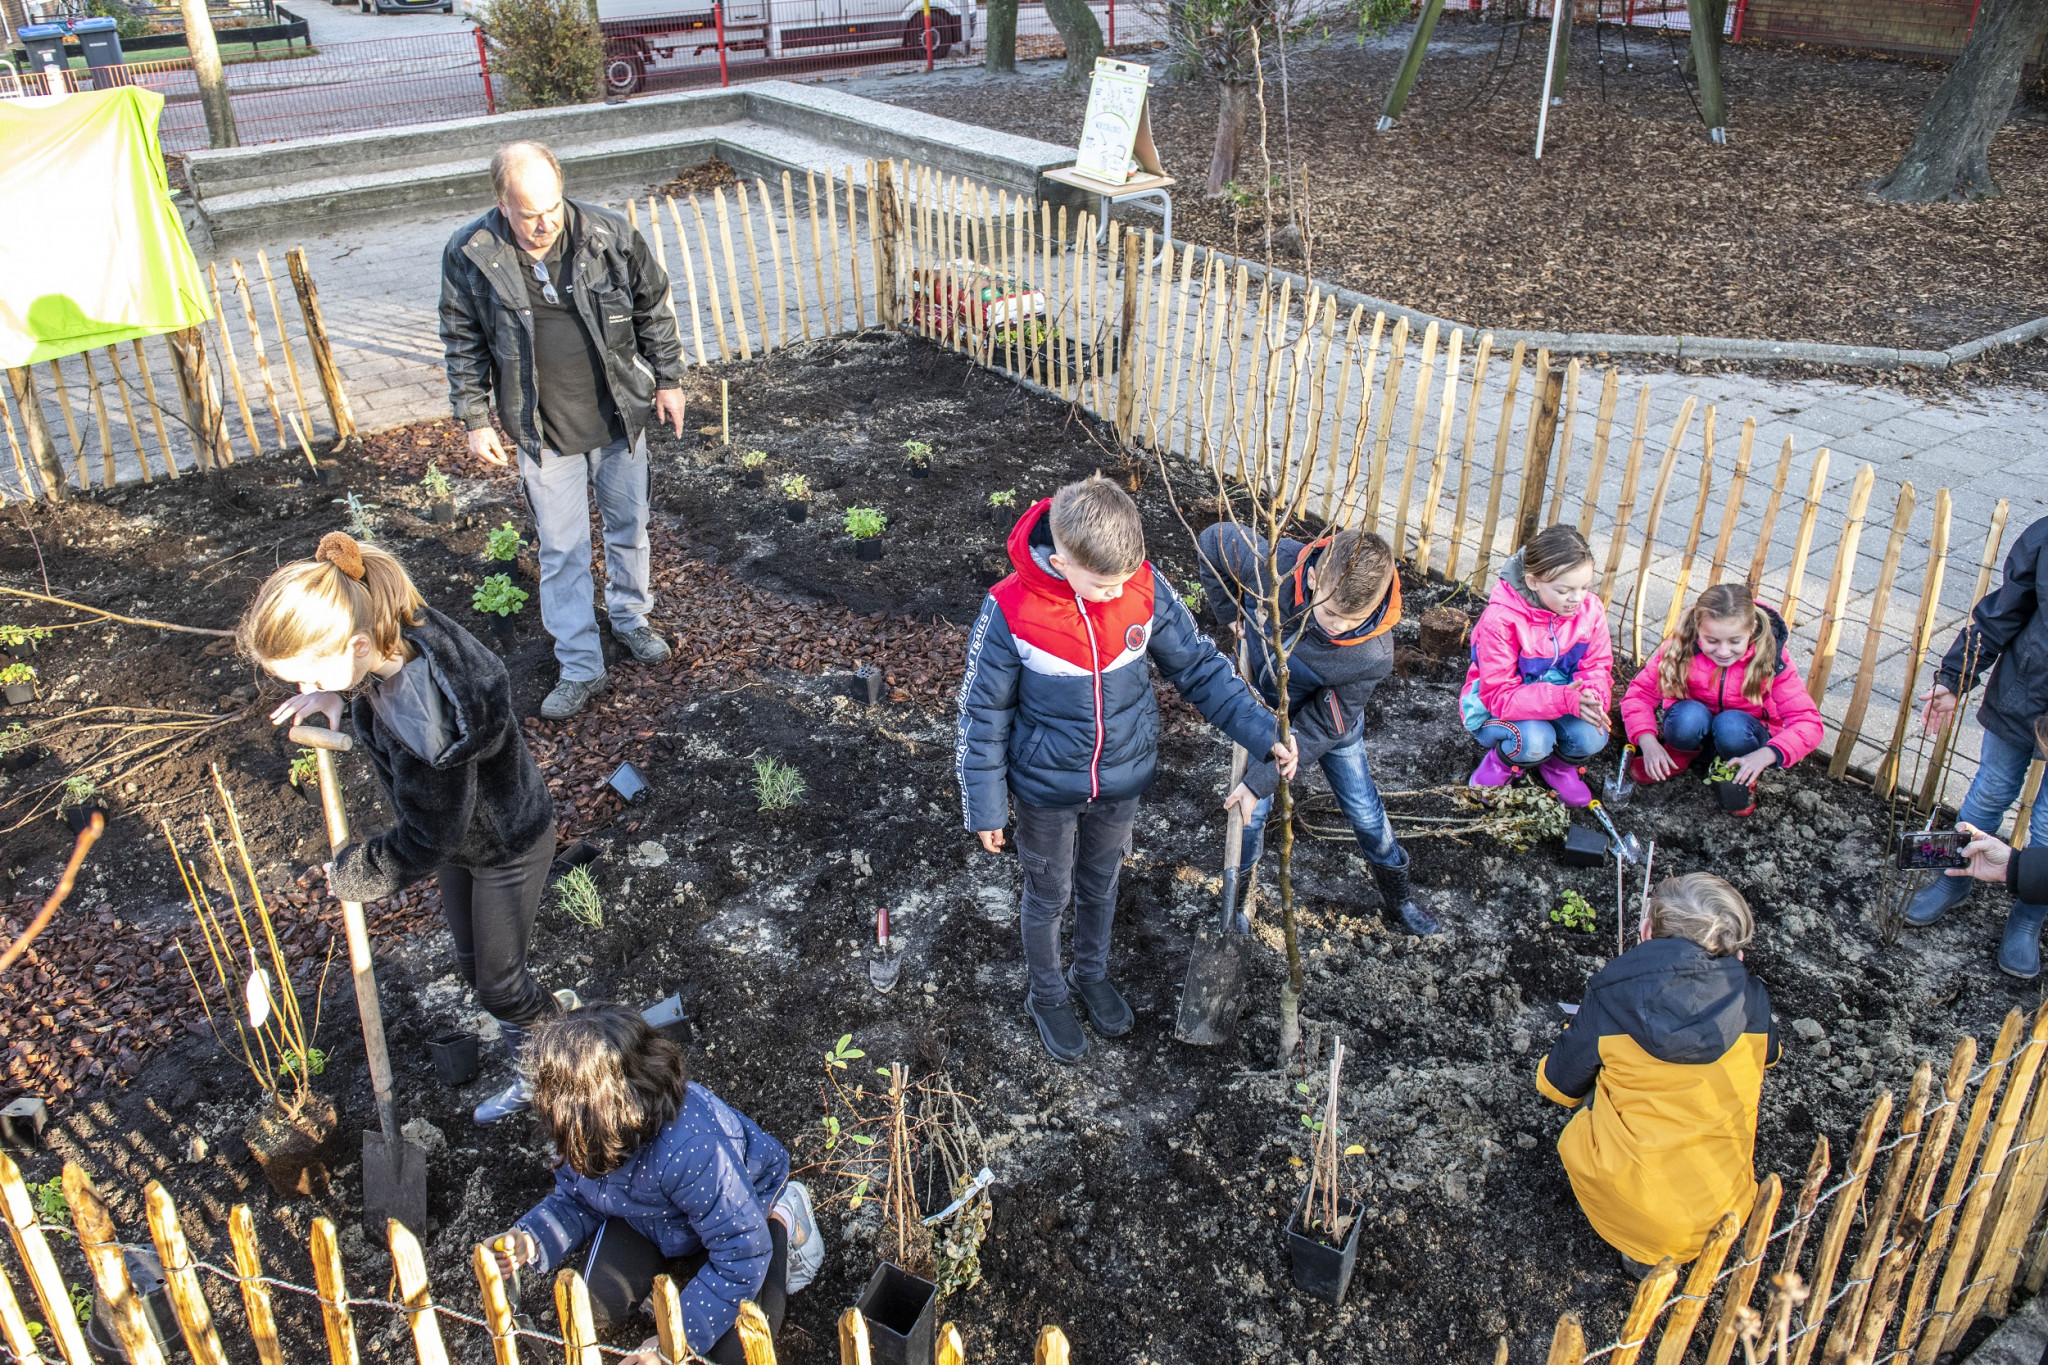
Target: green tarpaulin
{"points": [[93, 252]]}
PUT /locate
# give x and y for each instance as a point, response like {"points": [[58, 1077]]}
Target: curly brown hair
{"points": [[604, 1083]]}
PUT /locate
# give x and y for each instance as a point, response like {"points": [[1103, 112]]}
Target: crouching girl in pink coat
{"points": [[1723, 681], [1542, 669]]}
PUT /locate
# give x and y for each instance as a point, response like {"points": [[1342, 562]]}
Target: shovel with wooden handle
{"points": [[1213, 995], [394, 1170]]}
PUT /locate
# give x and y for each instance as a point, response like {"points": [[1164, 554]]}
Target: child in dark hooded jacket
{"points": [[1340, 600], [432, 709]]}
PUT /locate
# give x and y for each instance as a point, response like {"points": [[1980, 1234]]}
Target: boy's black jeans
{"points": [[489, 912], [1070, 853]]}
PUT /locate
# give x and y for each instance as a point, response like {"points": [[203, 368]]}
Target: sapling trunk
{"points": [[1272, 504]]}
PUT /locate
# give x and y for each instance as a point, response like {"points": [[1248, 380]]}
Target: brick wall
{"points": [[1932, 28]]}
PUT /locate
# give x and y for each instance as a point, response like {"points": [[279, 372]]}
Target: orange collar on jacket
{"points": [[1388, 616]]}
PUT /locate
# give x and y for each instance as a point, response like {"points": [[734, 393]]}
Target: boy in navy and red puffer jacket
{"points": [[1057, 714]]}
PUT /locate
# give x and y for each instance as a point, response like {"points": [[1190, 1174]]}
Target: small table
{"points": [[1148, 191]]}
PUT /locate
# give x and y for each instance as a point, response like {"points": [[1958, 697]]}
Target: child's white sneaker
{"points": [[806, 1243]]}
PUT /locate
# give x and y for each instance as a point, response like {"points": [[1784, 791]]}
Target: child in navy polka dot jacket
{"points": [[659, 1176]]}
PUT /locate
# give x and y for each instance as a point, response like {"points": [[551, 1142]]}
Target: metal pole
{"points": [[927, 35], [1411, 64], [1112, 22], [718, 17], [1549, 73], [483, 65]]}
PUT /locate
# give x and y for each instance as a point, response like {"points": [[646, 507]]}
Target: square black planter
{"points": [[455, 1057], [900, 1310], [1733, 796], [1584, 847], [1321, 1270], [22, 1123]]}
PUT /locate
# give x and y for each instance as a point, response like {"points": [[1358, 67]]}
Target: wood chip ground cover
{"points": [[1139, 1197]]}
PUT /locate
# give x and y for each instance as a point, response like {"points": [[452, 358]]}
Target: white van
{"points": [[644, 37]]}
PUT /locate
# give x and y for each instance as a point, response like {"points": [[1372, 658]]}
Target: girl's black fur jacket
{"points": [[482, 803]]}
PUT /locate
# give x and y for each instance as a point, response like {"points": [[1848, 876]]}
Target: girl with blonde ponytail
{"points": [[1723, 681], [432, 709]]}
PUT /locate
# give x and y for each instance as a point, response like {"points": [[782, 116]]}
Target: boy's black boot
{"points": [[1059, 1028], [1397, 889], [1108, 1013]]}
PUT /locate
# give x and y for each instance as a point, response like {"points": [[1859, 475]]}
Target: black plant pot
{"points": [[441, 512], [1584, 847], [1734, 796], [868, 682], [750, 479], [78, 817], [20, 694], [152, 1291], [22, 1123], [794, 510], [455, 1057], [920, 471], [327, 474], [868, 551], [1320, 1269], [504, 630], [27, 756], [900, 1309]]}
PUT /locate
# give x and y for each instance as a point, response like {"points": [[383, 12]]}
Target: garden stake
{"points": [[1213, 992], [725, 412], [394, 1169]]}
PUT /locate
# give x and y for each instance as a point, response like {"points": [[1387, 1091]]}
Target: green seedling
{"points": [[14, 637], [577, 894], [305, 767], [777, 785], [315, 1063], [918, 453], [15, 674], [796, 488], [81, 1302], [435, 482], [1191, 594], [498, 596], [865, 523], [78, 789], [504, 543], [1006, 498], [359, 516], [51, 1206], [1721, 770], [15, 738], [753, 459], [1575, 913], [843, 1052]]}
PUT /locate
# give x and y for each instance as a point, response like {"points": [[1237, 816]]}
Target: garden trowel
{"points": [[1626, 847], [1620, 787], [394, 1170], [1213, 994]]}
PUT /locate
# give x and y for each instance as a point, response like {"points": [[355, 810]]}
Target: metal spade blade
{"points": [[883, 970]]}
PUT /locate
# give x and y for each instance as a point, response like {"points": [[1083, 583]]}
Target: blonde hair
{"points": [[1704, 908], [313, 606], [1097, 525], [1554, 550], [1363, 562], [1722, 602]]}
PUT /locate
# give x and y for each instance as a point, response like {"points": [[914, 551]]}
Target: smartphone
{"points": [[1932, 849]]}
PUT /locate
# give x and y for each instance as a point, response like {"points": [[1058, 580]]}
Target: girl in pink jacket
{"points": [[1542, 669], [1724, 680]]}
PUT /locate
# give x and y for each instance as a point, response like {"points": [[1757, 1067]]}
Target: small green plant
{"points": [[498, 595], [796, 488], [1721, 770], [435, 482], [51, 1205], [14, 637], [15, 674], [865, 523], [359, 511], [503, 543], [1575, 913], [753, 459], [1324, 1207], [578, 896], [305, 766], [1005, 498], [918, 453], [777, 785], [842, 1052], [81, 1302], [1191, 594], [15, 738], [316, 1062], [78, 789]]}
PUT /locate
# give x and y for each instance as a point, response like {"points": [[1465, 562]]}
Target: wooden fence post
{"points": [[188, 1300], [1603, 431], [1848, 1313], [1701, 494], [1625, 509], [1656, 514], [255, 1293], [14, 1333], [1848, 1201], [1567, 420], [335, 1319], [1051, 1348], [200, 396], [1840, 580], [1795, 1237], [43, 1275], [42, 447], [1993, 540], [284, 343], [1756, 1239], [409, 1267], [853, 1339], [1418, 413], [1873, 636], [1923, 635], [755, 1339], [1642, 1314], [1426, 528], [322, 347], [1129, 367], [109, 1265], [1733, 500], [888, 238], [1536, 453], [1489, 530], [1390, 395], [572, 1309], [63, 392], [1706, 1269], [1567, 1342], [1465, 454], [1759, 560], [156, 412], [498, 1309], [1795, 575]]}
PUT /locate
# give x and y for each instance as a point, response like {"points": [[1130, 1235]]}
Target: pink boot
{"points": [[1565, 780], [1494, 771]]}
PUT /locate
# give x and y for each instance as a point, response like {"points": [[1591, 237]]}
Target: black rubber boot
{"points": [[1397, 889]]}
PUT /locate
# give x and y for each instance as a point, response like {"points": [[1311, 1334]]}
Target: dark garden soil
{"points": [[1140, 1197], [1632, 221]]}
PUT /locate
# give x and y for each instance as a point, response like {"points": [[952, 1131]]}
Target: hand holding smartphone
{"points": [[1931, 849]]}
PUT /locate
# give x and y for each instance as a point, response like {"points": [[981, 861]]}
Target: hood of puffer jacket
{"points": [[472, 682], [1031, 546], [1678, 1002]]}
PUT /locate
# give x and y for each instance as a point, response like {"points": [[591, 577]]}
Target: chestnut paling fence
{"points": [[207, 1324], [113, 419]]}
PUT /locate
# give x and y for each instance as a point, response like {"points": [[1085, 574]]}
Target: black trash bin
{"points": [[101, 39], [45, 45]]}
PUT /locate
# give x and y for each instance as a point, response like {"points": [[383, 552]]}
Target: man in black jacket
{"points": [[2008, 634], [559, 310]]}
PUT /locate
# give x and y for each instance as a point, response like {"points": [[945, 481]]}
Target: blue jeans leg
{"points": [[2001, 773], [1524, 743], [1578, 740], [1351, 780], [558, 493], [618, 474], [1687, 724], [1736, 733]]}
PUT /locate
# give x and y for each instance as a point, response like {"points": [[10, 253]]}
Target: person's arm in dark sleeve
{"points": [[434, 807], [988, 707], [558, 1225], [1199, 672], [2026, 875], [1567, 1072], [1332, 716], [466, 349], [1231, 566], [1998, 619], [654, 318]]}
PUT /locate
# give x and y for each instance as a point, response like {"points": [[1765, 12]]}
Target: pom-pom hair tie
{"points": [[340, 549]]}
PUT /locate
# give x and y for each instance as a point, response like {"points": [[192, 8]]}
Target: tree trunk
{"points": [[1076, 24], [1233, 107], [1950, 156], [213, 84], [999, 50]]}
